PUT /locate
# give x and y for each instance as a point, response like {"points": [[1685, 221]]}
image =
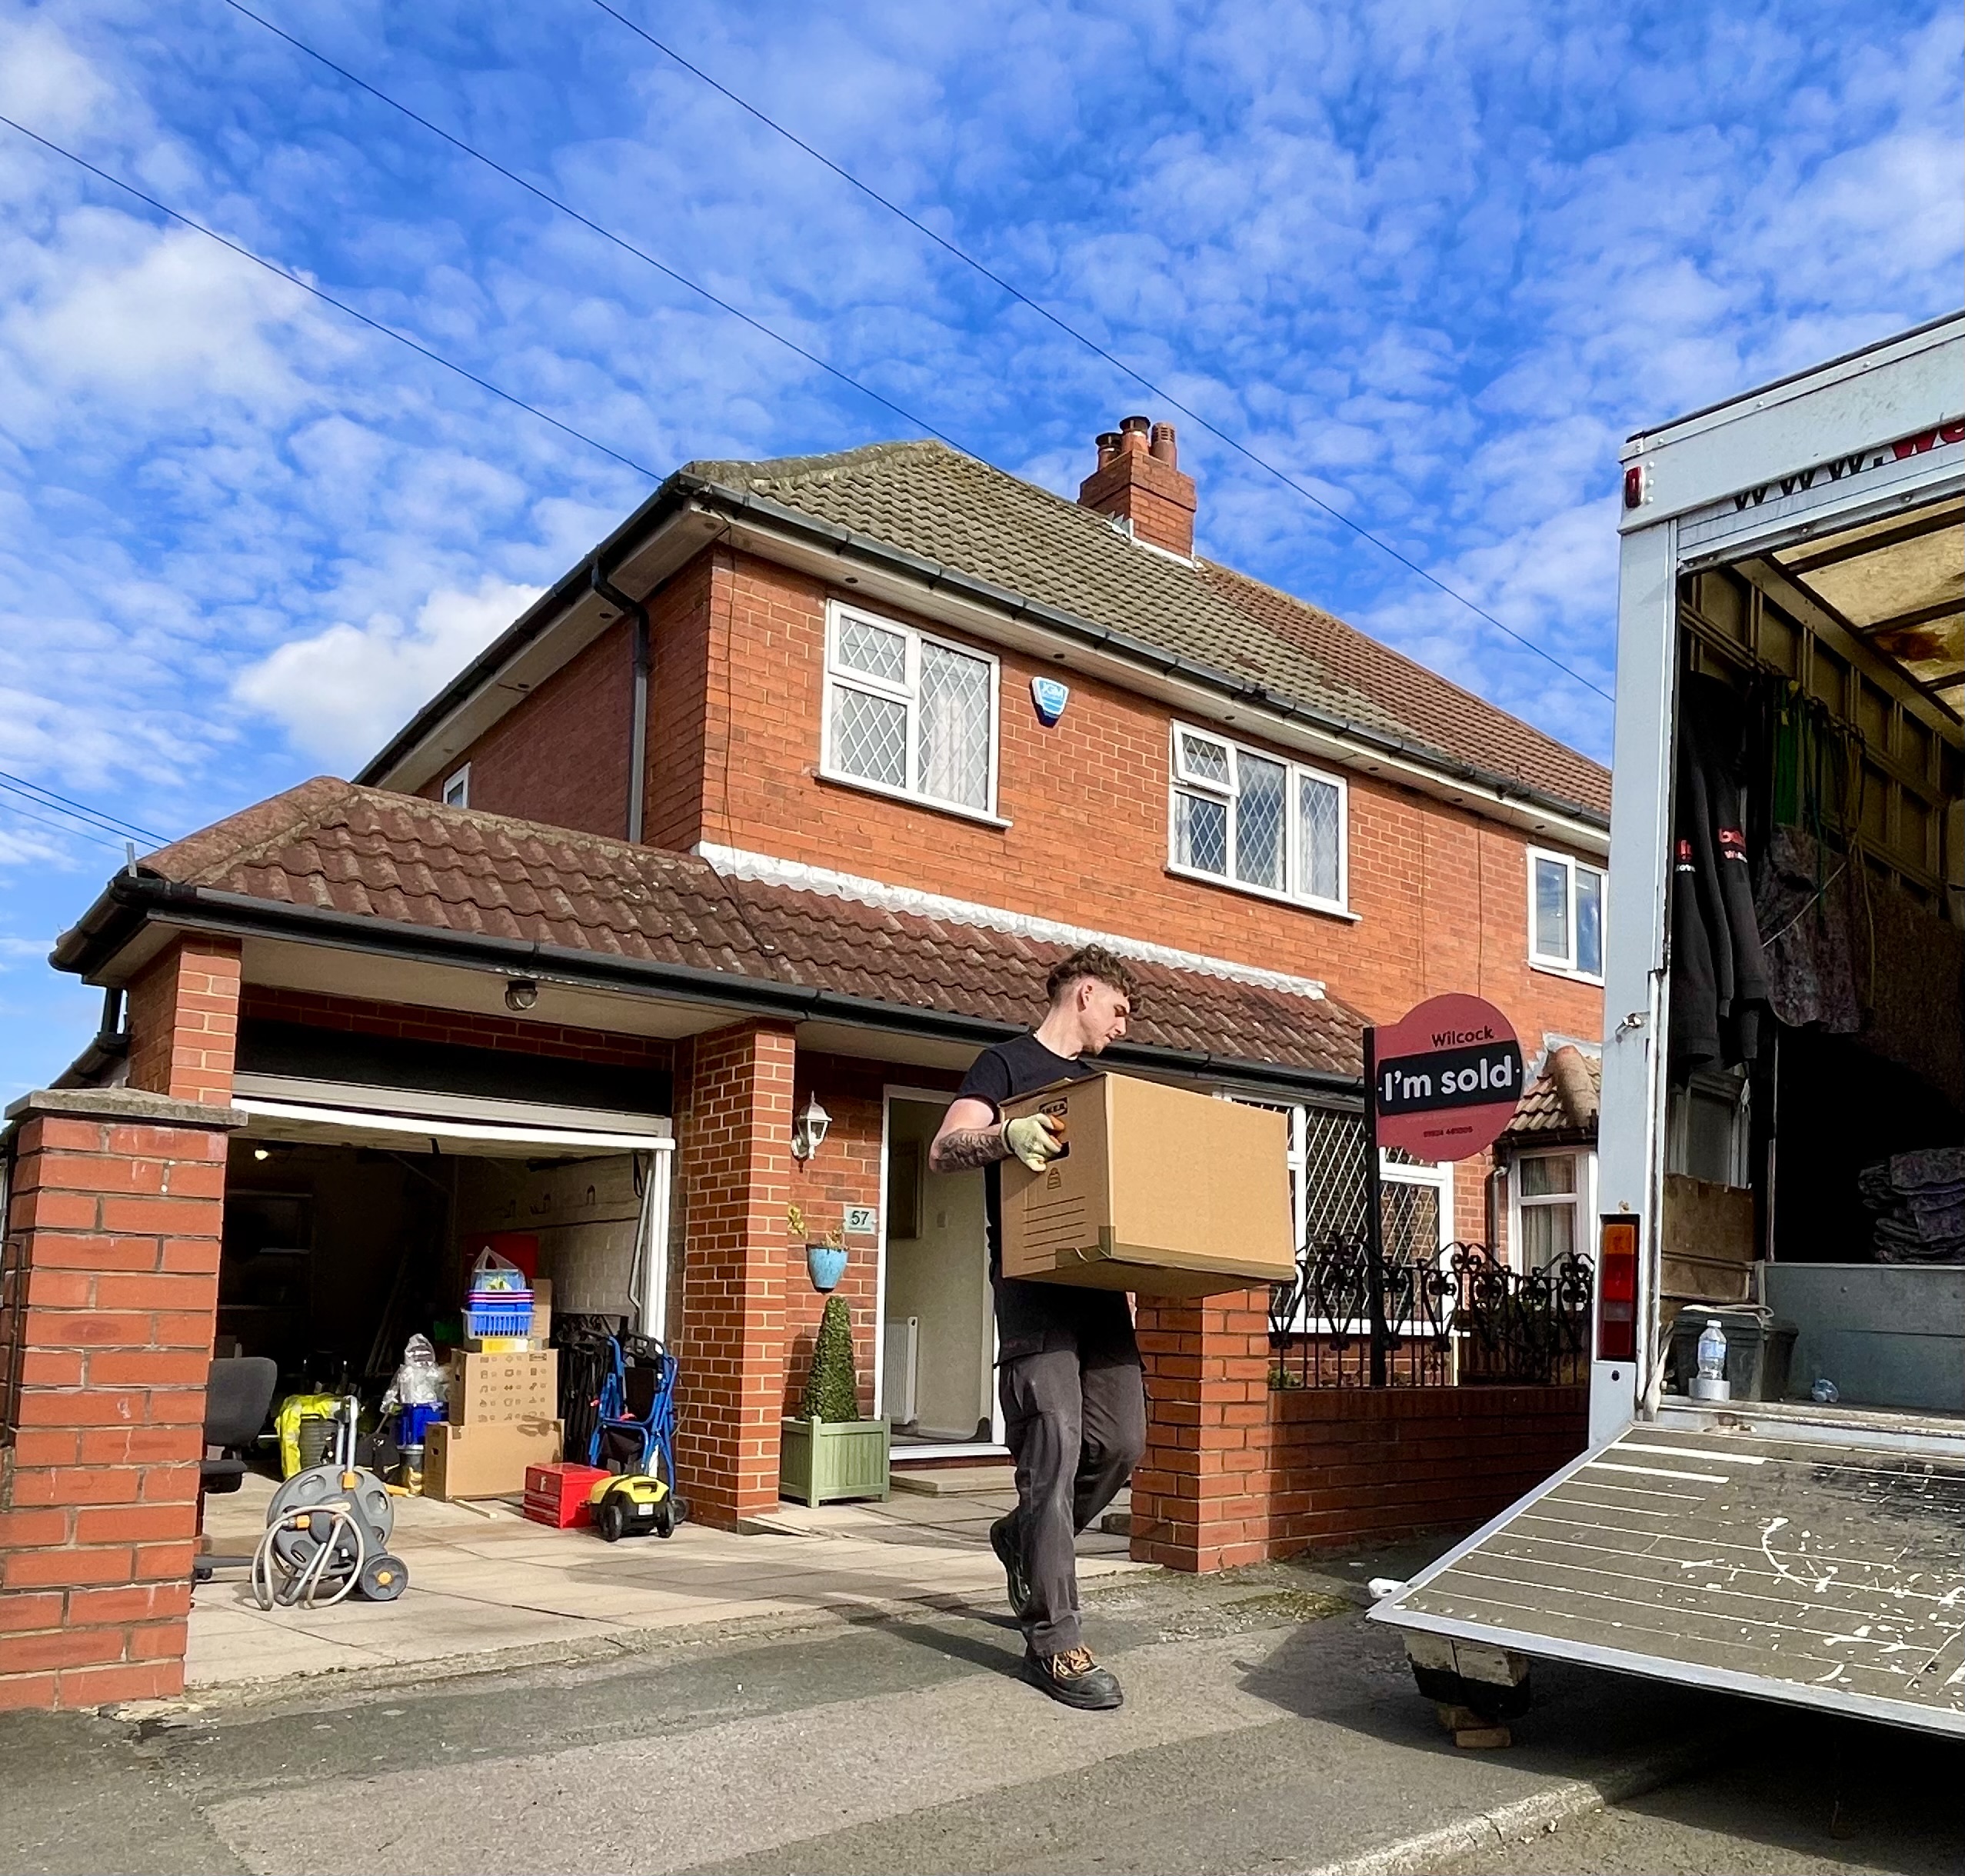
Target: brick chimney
{"points": [[1139, 478]]}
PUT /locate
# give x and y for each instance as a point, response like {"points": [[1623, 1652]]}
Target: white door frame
{"points": [[953, 1449]]}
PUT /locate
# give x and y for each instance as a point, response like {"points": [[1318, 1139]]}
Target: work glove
{"points": [[1035, 1139]]}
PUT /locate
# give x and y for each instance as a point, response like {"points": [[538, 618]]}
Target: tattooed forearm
{"points": [[975, 1146]]}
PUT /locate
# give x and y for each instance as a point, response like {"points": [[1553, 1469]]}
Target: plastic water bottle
{"points": [[1712, 1351]]}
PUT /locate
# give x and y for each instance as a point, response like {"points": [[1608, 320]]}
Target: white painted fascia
{"points": [[764, 870]]}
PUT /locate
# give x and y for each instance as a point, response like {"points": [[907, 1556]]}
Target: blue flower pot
{"points": [[827, 1263]]}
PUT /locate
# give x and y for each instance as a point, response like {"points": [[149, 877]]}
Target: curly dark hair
{"points": [[1094, 962]]}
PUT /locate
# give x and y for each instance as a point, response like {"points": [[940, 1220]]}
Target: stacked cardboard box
{"points": [[503, 1418]]}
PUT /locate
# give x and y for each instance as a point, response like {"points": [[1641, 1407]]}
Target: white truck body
{"points": [[1806, 1551]]}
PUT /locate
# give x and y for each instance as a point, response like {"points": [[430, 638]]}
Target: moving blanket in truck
{"points": [[1798, 1566]]}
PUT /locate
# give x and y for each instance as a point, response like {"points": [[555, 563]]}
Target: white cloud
{"points": [[339, 693]]}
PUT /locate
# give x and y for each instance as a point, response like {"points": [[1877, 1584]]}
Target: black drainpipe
{"points": [[637, 734]]}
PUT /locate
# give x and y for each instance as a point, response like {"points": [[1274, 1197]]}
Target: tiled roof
{"points": [[1563, 1101], [331, 845], [935, 503]]}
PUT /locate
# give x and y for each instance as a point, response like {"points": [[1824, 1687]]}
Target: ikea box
{"points": [[1158, 1191], [510, 1385], [488, 1460]]}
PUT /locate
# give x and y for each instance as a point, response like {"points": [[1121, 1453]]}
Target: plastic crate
{"points": [[498, 1312], [557, 1494]]}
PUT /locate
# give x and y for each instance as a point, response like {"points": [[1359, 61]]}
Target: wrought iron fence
{"points": [[1461, 1317]]}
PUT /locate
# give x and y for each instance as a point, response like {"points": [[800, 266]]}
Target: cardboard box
{"points": [[488, 1460], [542, 1312], [1159, 1190], [488, 1388]]}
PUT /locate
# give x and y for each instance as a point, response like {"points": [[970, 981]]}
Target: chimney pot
{"points": [[1164, 449], [1108, 446]]}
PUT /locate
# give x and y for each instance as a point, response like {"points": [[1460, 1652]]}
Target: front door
{"points": [[937, 1321]]}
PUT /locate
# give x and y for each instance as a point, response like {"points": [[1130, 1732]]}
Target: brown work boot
{"points": [[1075, 1678]]}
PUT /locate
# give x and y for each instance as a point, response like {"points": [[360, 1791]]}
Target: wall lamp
{"points": [[808, 1130], [521, 993]]}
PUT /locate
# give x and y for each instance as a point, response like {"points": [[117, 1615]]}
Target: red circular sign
{"points": [[1446, 1079]]}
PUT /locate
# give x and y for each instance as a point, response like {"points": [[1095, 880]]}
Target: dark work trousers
{"points": [[1074, 1417]]}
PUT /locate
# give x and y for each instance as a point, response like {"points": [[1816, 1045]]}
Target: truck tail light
{"points": [[1616, 1291]]}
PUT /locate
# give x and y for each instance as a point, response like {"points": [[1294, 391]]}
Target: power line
{"points": [[113, 824], [606, 234], [73, 833], [306, 286], [1092, 344]]}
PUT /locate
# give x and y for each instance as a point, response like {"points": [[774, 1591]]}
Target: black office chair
{"points": [[239, 1395]]}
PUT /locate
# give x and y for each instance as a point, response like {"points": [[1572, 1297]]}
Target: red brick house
{"points": [[786, 796]]}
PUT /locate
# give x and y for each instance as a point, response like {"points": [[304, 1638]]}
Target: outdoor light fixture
{"points": [[521, 993], [808, 1131]]}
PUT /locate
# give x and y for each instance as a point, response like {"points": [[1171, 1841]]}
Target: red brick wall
{"points": [[688, 701], [106, 1314], [184, 1021], [461, 1027], [734, 1127], [562, 757], [1442, 895], [1236, 1472]]}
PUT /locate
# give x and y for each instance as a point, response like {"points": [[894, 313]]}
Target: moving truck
{"points": [[1782, 1150]]}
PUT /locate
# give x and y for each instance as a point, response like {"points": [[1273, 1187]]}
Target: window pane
{"points": [[1590, 921], [1318, 807], [1547, 1232], [1259, 822], [1709, 1135], [1201, 833], [1409, 1216], [952, 728], [870, 736], [1203, 759], [1544, 1173], [1552, 911], [879, 654]]}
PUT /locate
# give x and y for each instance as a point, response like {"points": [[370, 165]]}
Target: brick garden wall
{"points": [[107, 1303], [1237, 1472]]}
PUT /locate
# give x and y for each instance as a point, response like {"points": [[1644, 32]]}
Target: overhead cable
{"points": [[1091, 344]]}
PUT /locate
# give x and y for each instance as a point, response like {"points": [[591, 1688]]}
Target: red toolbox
{"points": [[557, 1494]]}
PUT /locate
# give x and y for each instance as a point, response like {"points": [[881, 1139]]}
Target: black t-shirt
{"points": [[1026, 1312]]}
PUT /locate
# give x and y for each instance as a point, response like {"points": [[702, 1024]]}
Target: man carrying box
{"points": [[1074, 1400]]}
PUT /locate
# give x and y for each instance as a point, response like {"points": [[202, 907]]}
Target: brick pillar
{"points": [[107, 1301], [735, 1150], [184, 1021], [1200, 1496]]}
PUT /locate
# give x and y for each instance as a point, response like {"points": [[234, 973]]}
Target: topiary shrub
{"points": [[831, 1389]]}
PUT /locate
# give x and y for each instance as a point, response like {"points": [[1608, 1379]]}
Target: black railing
{"points": [[1461, 1318]]}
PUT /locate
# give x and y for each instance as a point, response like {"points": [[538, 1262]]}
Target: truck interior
{"points": [[1813, 1193]]}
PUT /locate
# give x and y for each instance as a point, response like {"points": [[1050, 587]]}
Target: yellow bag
{"points": [[293, 1410]]}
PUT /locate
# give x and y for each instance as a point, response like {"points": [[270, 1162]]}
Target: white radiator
{"points": [[901, 1361]]}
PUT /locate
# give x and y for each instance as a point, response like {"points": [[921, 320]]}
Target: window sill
{"points": [[1563, 971], [1323, 908], [952, 809]]}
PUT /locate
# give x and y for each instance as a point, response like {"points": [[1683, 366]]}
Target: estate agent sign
{"points": [[1445, 1082]]}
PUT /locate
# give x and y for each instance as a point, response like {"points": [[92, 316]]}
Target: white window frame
{"points": [[457, 783], [906, 693], [1565, 966], [1584, 1199], [1181, 781]]}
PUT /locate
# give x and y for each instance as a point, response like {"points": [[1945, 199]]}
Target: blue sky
{"points": [[1435, 259]]}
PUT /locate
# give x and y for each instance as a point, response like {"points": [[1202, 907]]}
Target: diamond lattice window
{"points": [[1254, 821], [910, 714]]}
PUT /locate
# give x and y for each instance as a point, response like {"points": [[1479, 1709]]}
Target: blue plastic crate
{"points": [[498, 1313]]}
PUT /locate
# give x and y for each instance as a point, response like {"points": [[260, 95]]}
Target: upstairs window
{"points": [[457, 788], [1565, 915], [1252, 820], [908, 714]]}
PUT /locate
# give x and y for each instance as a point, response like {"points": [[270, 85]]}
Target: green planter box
{"points": [[820, 1459]]}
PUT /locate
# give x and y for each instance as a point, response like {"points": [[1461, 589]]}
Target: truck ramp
{"points": [[1803, 1567]]}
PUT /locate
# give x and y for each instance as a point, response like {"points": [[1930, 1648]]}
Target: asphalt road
{"points": [[1268, 1728]]}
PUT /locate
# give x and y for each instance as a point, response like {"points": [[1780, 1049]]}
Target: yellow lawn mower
{"points": [[633, 1505]]}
